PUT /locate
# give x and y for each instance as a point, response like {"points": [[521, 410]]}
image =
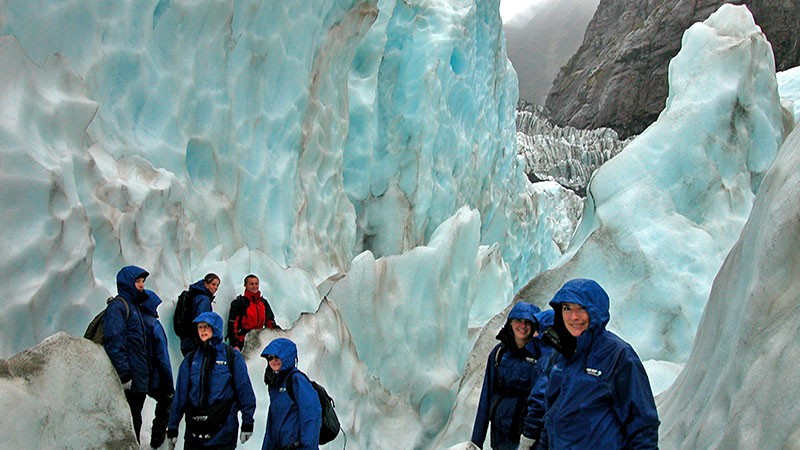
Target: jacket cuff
{"points": [[125, 378], [172, 433], [247, 427]]}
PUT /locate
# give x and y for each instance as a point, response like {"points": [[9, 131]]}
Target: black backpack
{"points": [[94, 332], [330, 423], [184, 315]]}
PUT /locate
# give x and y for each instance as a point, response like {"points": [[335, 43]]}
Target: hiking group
{"points": [[558, 379], [213, 385]]}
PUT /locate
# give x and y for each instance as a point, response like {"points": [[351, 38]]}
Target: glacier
{"points": [[661, 216], [566, 155], [360, 157]]}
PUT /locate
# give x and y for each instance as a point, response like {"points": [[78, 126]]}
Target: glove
{"points": [[171, 443], [526, 443], [245, 436], [472, 446], [126, 386]]}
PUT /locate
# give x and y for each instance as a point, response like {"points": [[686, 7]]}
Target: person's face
{"points": [[576, 319], [212, 286], [523, 329], [251, 285], [139, 284], [274, 362], [205, 331]]}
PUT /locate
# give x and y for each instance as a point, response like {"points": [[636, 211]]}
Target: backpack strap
{"points": [[229, 355], [190, 357], [500, 383], [235, 317], [231, 358], [243, 304], [127, 308], [498, 355], [289, 385]]}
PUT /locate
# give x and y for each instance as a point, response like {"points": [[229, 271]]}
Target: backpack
{"points": [[94, 332], [184, 315], [237, 310], [330, 422]]}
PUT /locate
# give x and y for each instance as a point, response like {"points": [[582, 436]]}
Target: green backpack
{"points": [[94, 332]]}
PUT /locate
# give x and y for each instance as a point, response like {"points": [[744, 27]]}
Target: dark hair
{"points": [[210, 277], [248, 277]]}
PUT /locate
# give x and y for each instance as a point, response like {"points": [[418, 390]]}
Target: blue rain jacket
{"points": [[200, 303], [600, 396], [158, 349], [214, 384], [290, 422], [125, 341], [507, 383]]}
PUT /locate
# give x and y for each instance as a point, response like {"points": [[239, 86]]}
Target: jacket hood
{"points": [[284, 349], [524, 311], [212, 319], [150, 306], [545, 319], [520, 311], [200, 285], [126, 278], [587, 293]]}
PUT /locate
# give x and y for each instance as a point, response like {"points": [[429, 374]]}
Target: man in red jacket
{"points": [[248, 312]]}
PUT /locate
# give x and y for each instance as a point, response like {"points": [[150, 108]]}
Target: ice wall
{"points": [[738, 388], [237, 137], [566, 155]]}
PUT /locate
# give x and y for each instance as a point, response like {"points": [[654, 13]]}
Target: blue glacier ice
{"points": [[360, 157]]}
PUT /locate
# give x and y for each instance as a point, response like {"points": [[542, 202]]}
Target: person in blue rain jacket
{"points": [[594, 392], [291, 422], [125, 339], [202, 292], [511, 370], [209, 392], [161, 387]]}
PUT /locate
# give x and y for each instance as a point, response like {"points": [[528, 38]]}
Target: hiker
{"points": [[125, 339], [249, 311], [511, 370], [293, 420], [213, 387], [202, 292], [594, 392], [161, 388]]}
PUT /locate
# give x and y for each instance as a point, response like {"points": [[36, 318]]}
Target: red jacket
{"points": [[248, 312]]}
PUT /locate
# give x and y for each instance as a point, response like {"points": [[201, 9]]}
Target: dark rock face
{"points": [[618, 77], [780, 19]]}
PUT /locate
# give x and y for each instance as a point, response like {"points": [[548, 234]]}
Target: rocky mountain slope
{"points": [[618, 77]]}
